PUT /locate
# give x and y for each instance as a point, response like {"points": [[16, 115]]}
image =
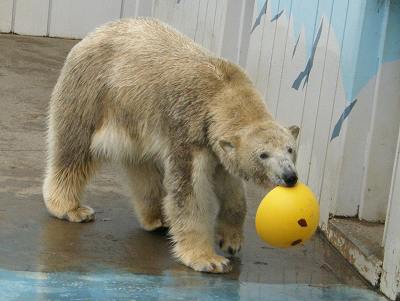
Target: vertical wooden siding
{"points": [[390, 280], [6, 15], [315, 68], [383, 130], [301, 83]]}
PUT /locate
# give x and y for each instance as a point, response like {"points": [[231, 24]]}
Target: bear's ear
{"points": [[294, 130], [228, 144]]}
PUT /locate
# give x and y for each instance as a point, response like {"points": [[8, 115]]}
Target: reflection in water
{"points": [[119, 285]]}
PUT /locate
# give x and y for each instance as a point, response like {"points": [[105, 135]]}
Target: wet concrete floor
{"points": [[112, 258]]}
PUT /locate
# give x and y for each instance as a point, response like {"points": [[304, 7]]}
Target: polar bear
{"points": [[186, 126]]}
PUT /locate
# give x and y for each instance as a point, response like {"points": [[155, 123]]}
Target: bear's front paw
{"points": [[81, 214], [209, 263], [151, 225], [229, 239], [195, 250]]}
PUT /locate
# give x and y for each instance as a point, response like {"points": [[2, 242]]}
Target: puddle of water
{"points": [[111, 285]]}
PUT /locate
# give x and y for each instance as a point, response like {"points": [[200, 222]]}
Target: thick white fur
{"points": [[142, 94], [193, 229], [113, 142]]}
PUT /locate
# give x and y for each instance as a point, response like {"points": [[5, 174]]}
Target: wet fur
{"points": [[140, 93]]}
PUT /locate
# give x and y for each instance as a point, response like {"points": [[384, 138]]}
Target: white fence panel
{"points": [[230, 42], [290, 101], [390, 281], [366, 33], [279, 21], [129, 8], [218, 26], [31, 17], [6, 15], [311, 83], [330, 78], [144, 8], [382, 145], [178, 15], [189, 18], [245, 30], [201, 21], [266, 49], [383, 131], [209, 23], [333, 159], [161, 9], [75, 18], [255, 41]]}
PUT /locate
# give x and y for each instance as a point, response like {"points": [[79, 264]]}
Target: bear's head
{"points": [[264, 153]]}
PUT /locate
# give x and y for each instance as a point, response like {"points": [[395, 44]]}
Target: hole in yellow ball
{"points": [[296, 242], [302, 222]]}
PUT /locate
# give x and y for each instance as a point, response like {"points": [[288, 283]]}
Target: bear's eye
{"points": [[264, 156], [290, 150]]}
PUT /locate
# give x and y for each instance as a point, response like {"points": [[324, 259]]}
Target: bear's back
{"points": [[144, 45]]}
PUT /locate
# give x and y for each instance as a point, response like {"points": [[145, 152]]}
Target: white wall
{"points": [[220, 25], [343, 43], [390, 284], [204, 21], [61, 18], [6, 15], [278, 53]]}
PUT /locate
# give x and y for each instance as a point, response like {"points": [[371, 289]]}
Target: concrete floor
{"points": [[42, 258]]}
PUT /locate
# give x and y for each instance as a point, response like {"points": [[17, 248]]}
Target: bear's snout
{"points": [[290, 178]]}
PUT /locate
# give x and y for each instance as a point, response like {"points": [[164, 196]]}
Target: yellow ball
{"points": [[287, 216]]}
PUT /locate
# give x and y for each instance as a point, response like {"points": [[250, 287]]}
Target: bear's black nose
{"points": [[290, 179]]}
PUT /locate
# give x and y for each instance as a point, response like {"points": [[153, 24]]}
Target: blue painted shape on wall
{"points": [[305, 74], [362, 48], [359, 68], [275, 7], [361, 42], [302, 15], [342, 118], [358, 27], [263, 10], [276, 17], [295, 45], [118, 285], [391, 51]]}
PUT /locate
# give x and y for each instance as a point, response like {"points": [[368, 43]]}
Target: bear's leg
{"points": [[62, 190], [190, 209], [232, 212], [145, 183]]}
